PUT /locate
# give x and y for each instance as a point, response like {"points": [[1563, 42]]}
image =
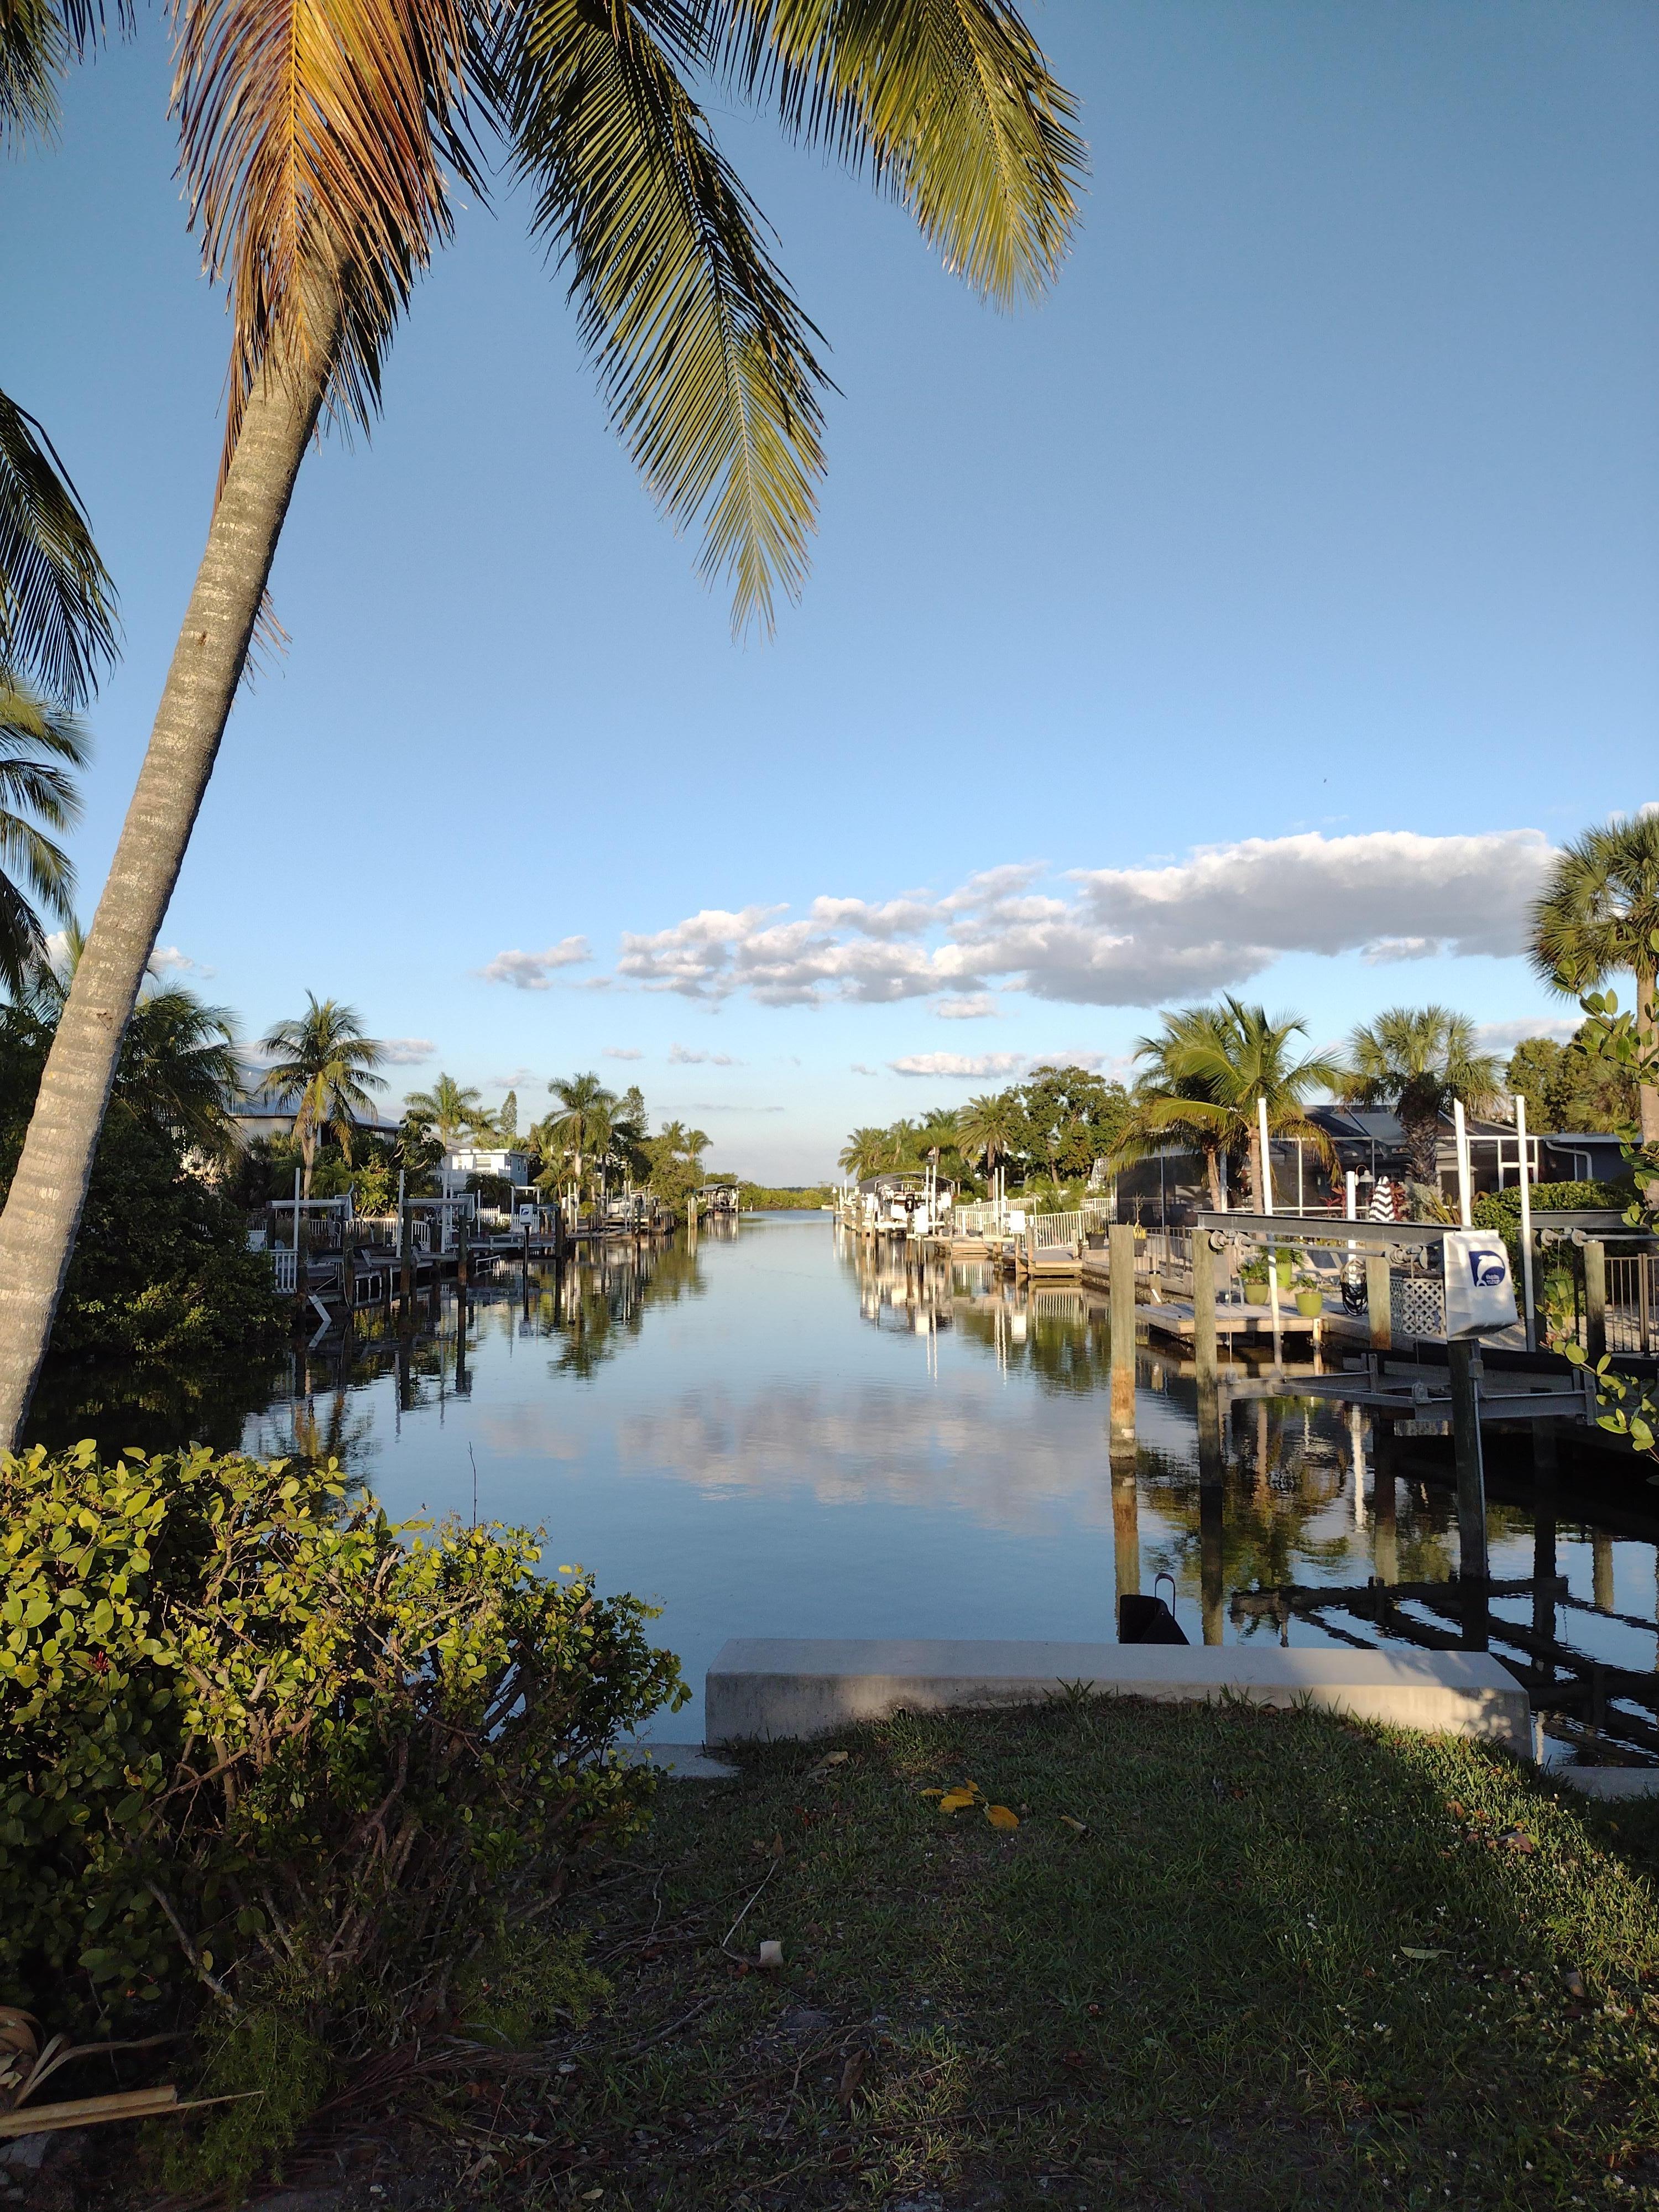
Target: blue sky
{"points": [[1253, 614]]}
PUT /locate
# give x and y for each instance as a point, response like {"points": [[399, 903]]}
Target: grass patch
{"points": [[1281, 1962]]}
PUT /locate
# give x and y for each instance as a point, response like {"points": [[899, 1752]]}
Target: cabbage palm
{"points": [[1599, 912], [447, 1108], [1416, 1062], [39, 745], [989, 1129], [580, 1132], [1165, 1090], [325, 1057], [323, 144], [1217, 1061], [866, 1152]]}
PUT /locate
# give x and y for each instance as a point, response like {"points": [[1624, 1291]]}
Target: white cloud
{"points": [[166, 960], [684, 1055], [859, 1068], [979, 1006], [406, 1052], [1124, 937], [958, 1063], [623, 1052], [725, 1106], [519, 1080], [1503, 1036], [533, 971]]}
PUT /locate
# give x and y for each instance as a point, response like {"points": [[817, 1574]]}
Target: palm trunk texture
{"points": [[1647, 1096], [43, 1208]]}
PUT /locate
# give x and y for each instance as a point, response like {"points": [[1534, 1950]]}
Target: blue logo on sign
{"points": [[1489, 1270]]}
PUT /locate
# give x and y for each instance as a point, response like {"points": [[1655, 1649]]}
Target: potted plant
{"points": [[1309, 1297], [1253, 1274]]}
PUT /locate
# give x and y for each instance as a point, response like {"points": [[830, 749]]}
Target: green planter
{"points": [[1255, 1294], [1310, 1304]]}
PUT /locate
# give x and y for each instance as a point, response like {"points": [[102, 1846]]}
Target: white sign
{"points": [[1479, 1290]]}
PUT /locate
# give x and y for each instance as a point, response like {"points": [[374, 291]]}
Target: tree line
{"points": [[1202, 1074]]}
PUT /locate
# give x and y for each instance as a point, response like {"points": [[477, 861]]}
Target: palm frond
{"points": [[950, 104], [316, 138], [35, 48], [705, 359], [57, 602]]}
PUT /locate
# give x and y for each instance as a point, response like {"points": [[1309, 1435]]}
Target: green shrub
{"points": [[1501, 1209], [256, 1738]]}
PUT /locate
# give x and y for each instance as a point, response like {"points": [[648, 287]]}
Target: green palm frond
{"points": [[34, 49], [1599, 908], [705, 359], [57, 602], [949, 103], [38, 746]]}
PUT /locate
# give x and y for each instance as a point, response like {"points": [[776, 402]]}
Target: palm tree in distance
{"points": [[39, 745], [448, 1110], [1415, 1062], [1598, 914], [1217, 1062], [325, 1057], [988, 1129], [579, 1133], [323, 170], [866, 1152]]}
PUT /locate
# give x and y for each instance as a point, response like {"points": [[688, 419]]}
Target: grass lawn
{"points": [[1227, 1958]]}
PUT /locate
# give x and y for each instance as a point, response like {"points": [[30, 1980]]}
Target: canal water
{"points": [[778, 1432]]}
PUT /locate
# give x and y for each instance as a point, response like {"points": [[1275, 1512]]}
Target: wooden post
{"points": [[405, 1261], [1544, 1462], [1126, 1527], [1463, 1358], [1379, 1311], [1385, 1547], [1595, 1297], [1601, 1568], [1205, 1359], [1121, 1239]]}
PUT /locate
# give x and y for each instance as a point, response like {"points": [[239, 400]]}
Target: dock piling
{"points": [[1120, 1238], [1463, 1359], [1205, 1359], [1596, 1299], [1379, 1311]]}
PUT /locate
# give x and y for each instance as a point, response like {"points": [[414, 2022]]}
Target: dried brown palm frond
{"points": [[319, 138]]}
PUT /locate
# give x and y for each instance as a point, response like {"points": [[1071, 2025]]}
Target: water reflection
{"points": [[778, 1431]]}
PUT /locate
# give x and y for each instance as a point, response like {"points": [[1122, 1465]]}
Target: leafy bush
{"points": [[258, 1738], [1501, 1209]]}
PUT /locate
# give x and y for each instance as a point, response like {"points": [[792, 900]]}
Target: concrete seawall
{"points": [[771, 1687]]}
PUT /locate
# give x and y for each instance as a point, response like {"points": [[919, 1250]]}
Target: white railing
{"points": [[1632, 1301], [285, 1268]]}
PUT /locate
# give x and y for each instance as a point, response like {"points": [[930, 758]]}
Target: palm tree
{"points": [[988, 1128], [38, 746], [448, 1110], [1416, 1062], [866, 1152], [323, 170], [1599, 912], [579, 1133], [57, 602], [1219, 1061], [1165, 1090], [179, 1068], [327, 1059]]}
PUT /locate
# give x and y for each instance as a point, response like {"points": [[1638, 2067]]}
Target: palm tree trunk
{"points": [[1258, 1178], [1212, 1170], [48, 1191]]}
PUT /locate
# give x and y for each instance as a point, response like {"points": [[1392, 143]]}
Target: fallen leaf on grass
{"points": [[954, 1800], [851, 2074], [1517, 1839], [1573, 1982], [771, 1954], [1414, 1951], [1082, 1826], [831, 1759], [1001, 1817]]}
